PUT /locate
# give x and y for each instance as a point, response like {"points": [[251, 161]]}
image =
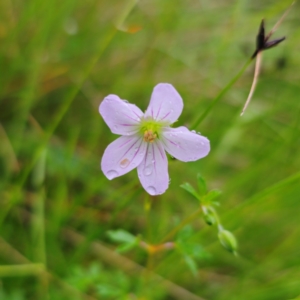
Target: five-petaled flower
{"points": [[146, 137]]}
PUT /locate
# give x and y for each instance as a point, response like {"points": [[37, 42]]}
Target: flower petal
{"points": [[185, 145], [121, 117], [123, 155], [165, 104], [153, 171]]}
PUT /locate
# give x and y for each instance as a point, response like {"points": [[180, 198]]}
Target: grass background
{"points": [[58, 61]]}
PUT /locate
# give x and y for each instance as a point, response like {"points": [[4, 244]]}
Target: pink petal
{"points": [[165, 104], [123, 155], [184, 144], [121, 117], [153, 171]]}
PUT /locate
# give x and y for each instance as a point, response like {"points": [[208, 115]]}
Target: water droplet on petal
{"points": [[112, 174], [124, 163], [151, 190], [193, 131], [148, 170]]}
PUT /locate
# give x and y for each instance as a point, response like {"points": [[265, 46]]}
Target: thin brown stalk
{"points": [[256, 73], [279, 22]]}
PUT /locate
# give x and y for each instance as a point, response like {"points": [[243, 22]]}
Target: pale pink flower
{"points": [[146, 136]]}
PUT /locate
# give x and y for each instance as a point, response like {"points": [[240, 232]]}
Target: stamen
{"points": [[149, 136]]}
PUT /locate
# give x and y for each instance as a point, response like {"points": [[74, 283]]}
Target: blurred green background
{"points": [[60, 216]]}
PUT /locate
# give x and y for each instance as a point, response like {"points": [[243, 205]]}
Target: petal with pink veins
{"points": [[120, 116], [184, 144], [153, 171], [165, 104], [123, 155]]}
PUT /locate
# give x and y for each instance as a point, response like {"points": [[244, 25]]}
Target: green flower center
{"points": [[151, 129]]}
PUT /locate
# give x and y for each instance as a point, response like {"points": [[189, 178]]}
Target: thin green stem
{"points": [[184, 222], [221, 94], [38, 222]]}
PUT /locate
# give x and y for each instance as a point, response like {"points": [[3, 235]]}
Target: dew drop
{"points": [[112, 174], [124, 163], [193, 131], [151, 190], [148, 170]]}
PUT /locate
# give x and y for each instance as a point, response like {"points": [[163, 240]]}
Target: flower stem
{"points": [[221, 94], [184, 222]]}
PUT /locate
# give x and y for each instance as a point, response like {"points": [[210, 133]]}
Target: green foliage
{"points": [[107, 285], [58, 60], [186, 186], [127, 240], [15, 295], [190, 250], [121, 235], [202, 187], [204, 196]]}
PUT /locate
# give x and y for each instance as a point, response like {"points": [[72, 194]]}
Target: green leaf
{"points": [[186, 186], [191, 263], [201, 185], [211, 195], [193, 250], [127, 246], [107, 290], [121, 236], [185, 233]]}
